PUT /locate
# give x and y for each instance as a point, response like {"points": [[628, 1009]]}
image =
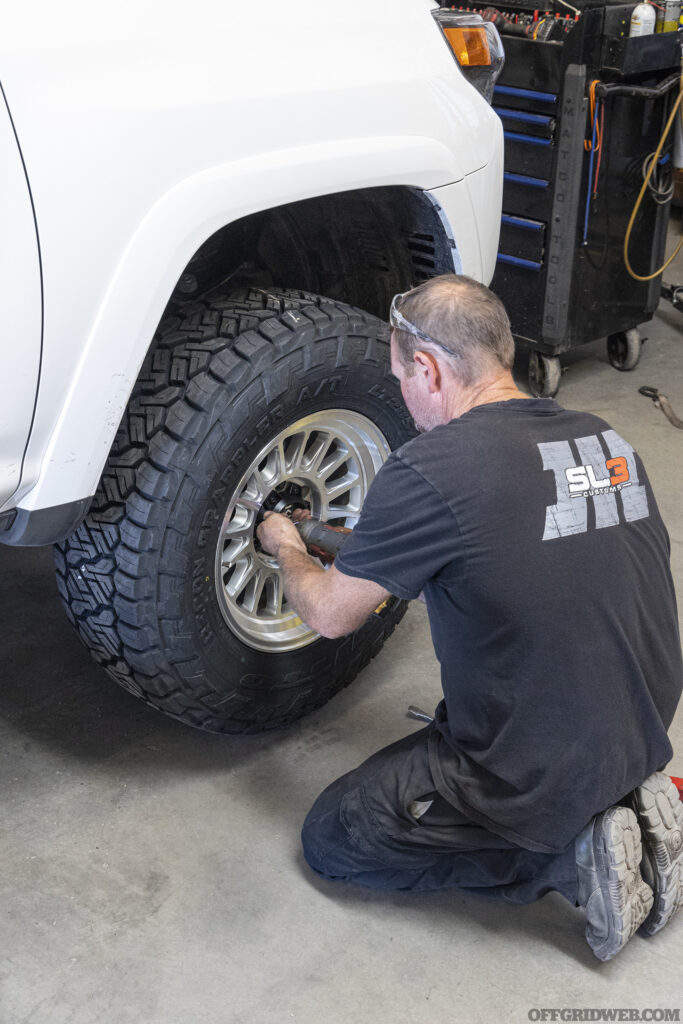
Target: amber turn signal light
{"points": [[470, 46], [476, 46]]}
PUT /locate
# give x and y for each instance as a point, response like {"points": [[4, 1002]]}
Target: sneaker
{"points": [[616, 898], [660, 814]]}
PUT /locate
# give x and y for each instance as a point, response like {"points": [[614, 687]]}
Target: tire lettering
{"points": [[326, 384], [200, 592], [390, 399]]}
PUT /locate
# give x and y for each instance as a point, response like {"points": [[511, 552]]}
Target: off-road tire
{"points": [[137, 577]]}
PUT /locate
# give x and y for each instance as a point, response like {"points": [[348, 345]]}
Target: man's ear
{"points": [[428, 367]]}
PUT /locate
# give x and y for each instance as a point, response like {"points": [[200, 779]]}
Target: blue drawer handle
{"points": [[523, 179], [532, 140], [522, 222], [520, 115], [527, 94], [517, 261]]}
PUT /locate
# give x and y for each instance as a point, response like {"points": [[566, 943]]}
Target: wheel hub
{"points": [[285, 499]]}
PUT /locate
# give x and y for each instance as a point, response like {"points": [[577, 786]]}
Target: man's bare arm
{"points": [[330, 602]]}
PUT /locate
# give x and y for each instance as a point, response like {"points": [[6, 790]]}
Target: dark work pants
{"points": [[360, 830]]}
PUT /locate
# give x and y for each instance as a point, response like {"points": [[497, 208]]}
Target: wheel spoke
{"points": [[252, 592], [243, 571], [295, 448], [255, 492], [276, 594], [273, 470], [242, 519], [332, 462], [341, 486], [235, 549], [350, 511], [249, 503], [281, 459], [314, 455]]}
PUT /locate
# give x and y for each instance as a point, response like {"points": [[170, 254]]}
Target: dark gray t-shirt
{"points": [[535, 535]]}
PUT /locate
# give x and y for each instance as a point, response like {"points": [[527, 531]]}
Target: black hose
{"points": [[641, 91]]}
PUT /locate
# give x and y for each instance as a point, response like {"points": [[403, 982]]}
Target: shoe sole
{"points": [[626, 896], [660, 814]]}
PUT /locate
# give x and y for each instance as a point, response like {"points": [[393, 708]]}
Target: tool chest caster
{"points": [[624, 349], [544, 375]]}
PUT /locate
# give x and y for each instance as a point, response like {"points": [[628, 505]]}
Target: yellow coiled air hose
{"points": [[653, 163]]}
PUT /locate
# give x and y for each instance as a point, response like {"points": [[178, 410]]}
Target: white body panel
{"points": [[21, 309], [145, 131]]}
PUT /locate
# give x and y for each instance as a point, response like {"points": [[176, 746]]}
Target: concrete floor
{"points": [[153, 874]]}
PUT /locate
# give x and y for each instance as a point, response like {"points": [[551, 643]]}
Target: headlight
{"points": [[476, 46]]}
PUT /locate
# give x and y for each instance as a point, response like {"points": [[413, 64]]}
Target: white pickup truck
{"points": [[206, 212]]}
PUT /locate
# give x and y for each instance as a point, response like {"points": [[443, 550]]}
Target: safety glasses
{"points": [[397, 320]]}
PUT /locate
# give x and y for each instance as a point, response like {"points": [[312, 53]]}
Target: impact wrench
{"points": [[322, 540]]}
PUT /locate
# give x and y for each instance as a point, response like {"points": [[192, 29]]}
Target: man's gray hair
{"points": [[463, 315]]}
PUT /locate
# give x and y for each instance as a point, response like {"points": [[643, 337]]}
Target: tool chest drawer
{"points": [[528, 141], [526, 122], [528, 155], [524, 298], [525, 195], [522, 239]]}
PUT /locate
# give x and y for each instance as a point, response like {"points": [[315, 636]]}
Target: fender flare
{"points": [[66, 462]]}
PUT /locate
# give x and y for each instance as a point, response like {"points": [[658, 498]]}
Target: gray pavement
{"points": [[151, 873]]}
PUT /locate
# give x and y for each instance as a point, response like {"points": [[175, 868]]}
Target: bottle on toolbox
{"points": [[643, 20]]}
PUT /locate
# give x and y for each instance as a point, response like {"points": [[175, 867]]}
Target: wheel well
{"points": [[359, 247]]}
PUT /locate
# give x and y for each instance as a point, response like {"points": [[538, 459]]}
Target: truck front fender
{"points": [[66, 452]]}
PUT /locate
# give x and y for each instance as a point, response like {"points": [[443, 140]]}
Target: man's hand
{"points": [[277, 530], [330, 602]]}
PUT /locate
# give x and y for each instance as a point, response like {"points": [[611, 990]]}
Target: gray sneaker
{"points": [[610, 886], [660, 815]]}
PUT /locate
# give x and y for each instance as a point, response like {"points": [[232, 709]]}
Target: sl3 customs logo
{"points": [[605, 470], [583, 482]]}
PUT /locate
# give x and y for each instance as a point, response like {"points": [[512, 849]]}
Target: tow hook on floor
{"points": [[662, 402]]}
